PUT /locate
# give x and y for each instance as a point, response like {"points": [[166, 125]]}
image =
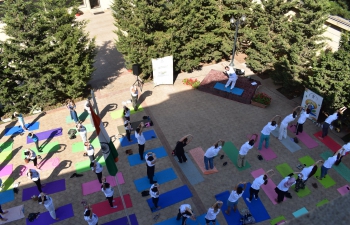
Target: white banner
{"points": [[163, 72], [314, 102]]}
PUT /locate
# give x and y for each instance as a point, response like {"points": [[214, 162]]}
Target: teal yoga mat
{"points": [[190, 170], [235, 90], [343, 170]]}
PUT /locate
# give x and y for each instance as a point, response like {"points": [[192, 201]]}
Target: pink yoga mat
{"points": [[44, 165], [198, 156], [266, 153], [6, 170], [95, 186], [343, 190], [269, 188], [305, 138]]}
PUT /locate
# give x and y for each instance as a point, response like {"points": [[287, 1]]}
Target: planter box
{"points": [[36, 111], [258, 104], [6, 120]]}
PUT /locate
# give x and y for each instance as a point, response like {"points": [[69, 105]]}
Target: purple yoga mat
{"points": [[46, 134], [50, 188], [63, 212], [6, 170], [305, 138], [123, 220]]}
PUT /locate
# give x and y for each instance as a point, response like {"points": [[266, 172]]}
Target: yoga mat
{"points": [[150, 134], [171, 197], [234, 217], [198, 156], [46, 135], [300, 212], [43, 165], [321, 203], [82, 117], [235, 90], [18, 129], [5, 156], [328, 141], [135, 158], [343, 190], [346, 138], [103, 208], [232, 153], [287, 142], [342, 169], [266, 153], [123, 221], [200, 220], [89, 128], [49, 188], [161, 177], [79, 146], [46, 148], [6, 146], [95, 186], [305, 138], [269, 188], [7, 182], [119, 113], [256, 207], [7, 196], [277, 220], [85, 165], [325, 182], [63, 212], [6, 170], [190, 170], [134, 125], [284, 169], [14, 213]]}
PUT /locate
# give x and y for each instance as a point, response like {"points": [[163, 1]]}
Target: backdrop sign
{"points": [[314, 102], [163, 72]]}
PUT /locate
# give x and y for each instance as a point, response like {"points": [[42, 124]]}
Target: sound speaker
{"points": [[136, 70]]}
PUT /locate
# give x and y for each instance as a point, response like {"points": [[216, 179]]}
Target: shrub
{"points": [[262, 98], [192, 82]]}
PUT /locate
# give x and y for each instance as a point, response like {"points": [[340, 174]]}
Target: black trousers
{"points": [[38, 185], [299, 128], [128, 134], [181, 156], [92, 158], [110, 200], [35, 161], [150, 173], [99, 177], [134, 102], [155, 202], [179, 215], [141, 150], [37, 145], [280, 194], [252, 193]]}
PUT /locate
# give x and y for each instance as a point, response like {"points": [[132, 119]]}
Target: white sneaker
{"points": [[248, 200], [114, 207]]}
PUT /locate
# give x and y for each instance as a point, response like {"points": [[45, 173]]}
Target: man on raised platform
{"points": [[232, 76]]}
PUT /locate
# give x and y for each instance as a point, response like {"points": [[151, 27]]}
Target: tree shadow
{"points": [[143, 97], [13, 153], [108, 108], [61, 148], [65, 164]]}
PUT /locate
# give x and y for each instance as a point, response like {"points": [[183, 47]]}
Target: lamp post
{"points": [[235, 23]]}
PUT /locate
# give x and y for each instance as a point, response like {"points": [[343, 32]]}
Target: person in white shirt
{"points": [[343, 151], [244, 150], [283, 187], [255, 187], [90, 217], [284, 124], [35, 177], [266, 131], [31, 156], [126, 112], [185, 211], [108, 191], [140, 139], [82, 131], [328, 164], [235, 195], [305, 174], [97, 168], [134, 91], [232, 77], [154, 192], [128, 129], [330, 120], [213, 212], [303, 116], [210, 154], [90, 151], [48, 203], [150, 163], [88, 109]]}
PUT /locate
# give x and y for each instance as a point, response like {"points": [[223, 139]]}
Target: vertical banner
{"points": [[314, 102], [163, 71]]}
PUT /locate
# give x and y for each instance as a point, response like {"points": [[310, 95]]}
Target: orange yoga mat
{"points": [[198, 156]]}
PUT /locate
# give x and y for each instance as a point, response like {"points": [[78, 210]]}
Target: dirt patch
{"points": [[289, 94]]}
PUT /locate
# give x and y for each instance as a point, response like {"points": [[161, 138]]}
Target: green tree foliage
{"points": [[48, 57], [340, 8]]}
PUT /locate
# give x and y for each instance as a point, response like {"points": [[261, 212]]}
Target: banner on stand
{"points": [[314, 102], [163, 72]]}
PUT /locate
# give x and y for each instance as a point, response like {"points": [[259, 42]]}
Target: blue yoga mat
{"points": [[6, 196], [256, 207], [287, 142], [123, 221], [135, 158], [235, 90], [161, 177], [18, 129], [234, 217], [171, 197], [150, 134], [191, 172], [200, 220], [63, 212]]}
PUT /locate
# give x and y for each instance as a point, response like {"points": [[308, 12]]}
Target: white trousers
{"points": [[51, 209], [283, 131], [83, 136], [232, 84]]}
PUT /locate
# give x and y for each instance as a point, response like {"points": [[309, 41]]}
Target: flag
{"points": [[110, 153]]}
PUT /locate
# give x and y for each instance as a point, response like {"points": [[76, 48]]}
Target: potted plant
{"points": [[261, 100]]}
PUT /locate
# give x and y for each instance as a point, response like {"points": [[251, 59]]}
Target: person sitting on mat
{"points": [[211, 153], [179, 148], [257, 183], [244, 150], [303, 116], [232, 77], [328, 164], [283, 187], [330, 120], [305, 174], [235, 195], [212, 213], [185, 212], [343, 151], [154, 192], [284, 124], [266, 131]]}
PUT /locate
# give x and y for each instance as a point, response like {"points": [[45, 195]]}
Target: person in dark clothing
{"points": [[179, 148]]}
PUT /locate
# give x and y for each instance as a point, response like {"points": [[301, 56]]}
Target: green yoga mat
{"points": [[327, 181], [79, 146], [284, 169], [6, 146], [85, 165], [277, 220], [321, 203], [134, 125], [343, 170], [232, 152], [5, 156], [82, 117], [50, 147], [7, 182], [119, 113], [89, 128]]}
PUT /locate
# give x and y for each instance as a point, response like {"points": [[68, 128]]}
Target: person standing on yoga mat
{"points": [[212, 213], [48, 203], [328, 164], [305, 174], [2, 213], [90, 151], [235, 195], [303, 116], [257, 183], [179, 148], [266, 131], [35, 177], [140, 139], [211, 153], [284, 124], [97, 168], [108, 191], [134, 91], [35, 139], [330, 120], [71, 107], [154, 192], [128, 129], [283, 187], [343, 151], [90, 217], [82, 131], [20, 120], [244, 150], [150, 163], [185, 212], [31, 156], [126, 113], [232, 76]]}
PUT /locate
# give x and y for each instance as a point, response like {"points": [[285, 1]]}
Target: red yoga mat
{"points": [[329, 142], [103, 208]]}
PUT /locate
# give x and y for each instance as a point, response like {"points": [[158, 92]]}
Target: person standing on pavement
{"points": [[284, 124], [154, 192], [232, 77], [126, 112], [128, 129], [134, 96], [90, 151], [97, 168], [82, 131], [185, 212], [235, 195], [244, 150], [90, 217], [266, 131], [179, 148], [327, 165], [140, 139], [302, 119], [88, 110], [108, 191], [2, 213], [31, 156], [330, 120], [71, 107], [305, 174], [150, 163], [48, 203], [283, 187], [343, 151], [35, 139], [257, 183], [212, 213], [35, 177], [20, 120], [211, 153]]}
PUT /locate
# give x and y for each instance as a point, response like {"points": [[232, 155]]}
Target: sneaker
{"points": [[114, 207], [248, 200]]}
